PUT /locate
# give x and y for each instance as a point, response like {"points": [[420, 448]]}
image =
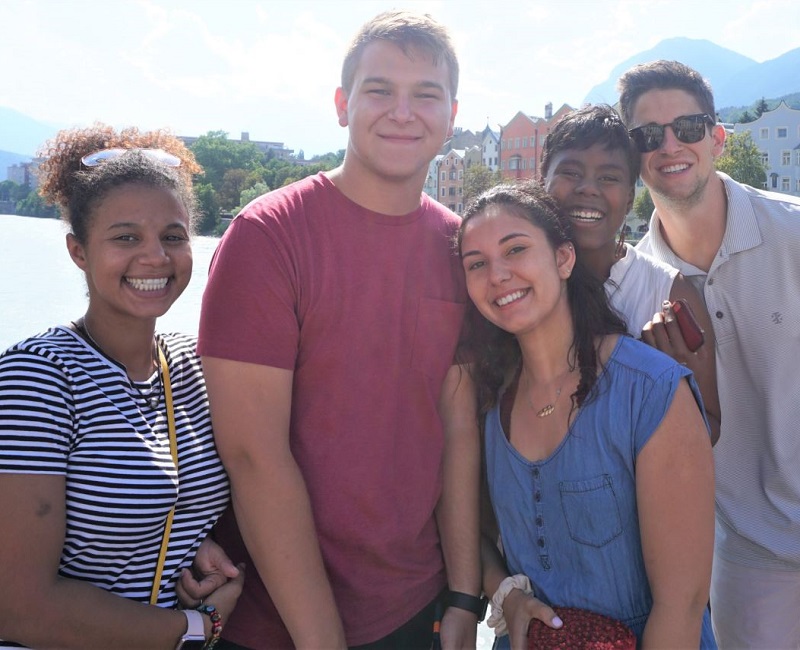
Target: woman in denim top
{"points": [[597, 455]]}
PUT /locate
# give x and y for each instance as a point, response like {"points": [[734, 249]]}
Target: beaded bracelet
{"points": [[216, 624]]}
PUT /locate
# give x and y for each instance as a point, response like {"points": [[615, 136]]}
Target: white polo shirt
{"points": [[752, 292]]}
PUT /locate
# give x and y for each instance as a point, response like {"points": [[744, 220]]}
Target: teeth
{"points": [[148, 284], [674, 168], [505, 300], [586, 215]]}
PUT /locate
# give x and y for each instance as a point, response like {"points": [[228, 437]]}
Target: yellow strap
{"points": [[173, 448]]}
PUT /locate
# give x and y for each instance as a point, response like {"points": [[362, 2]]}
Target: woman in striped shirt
{"points": [[88, 480]]}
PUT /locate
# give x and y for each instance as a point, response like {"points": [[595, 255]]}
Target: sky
{"points": [[270, 67]]}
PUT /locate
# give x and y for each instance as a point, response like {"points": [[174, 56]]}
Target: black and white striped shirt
{"points": [[67, 409]]}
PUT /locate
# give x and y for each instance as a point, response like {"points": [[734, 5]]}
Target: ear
{"points": [[340, 99], [453, 113], [718, 139], [76, 251], [565, 260]]}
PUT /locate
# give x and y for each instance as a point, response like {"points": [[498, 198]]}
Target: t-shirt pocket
{"points": [[436, 335], [591, 510]]}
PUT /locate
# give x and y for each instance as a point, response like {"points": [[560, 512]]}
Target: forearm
{"points": [[274, 515], [674, 626], [71, 614]]}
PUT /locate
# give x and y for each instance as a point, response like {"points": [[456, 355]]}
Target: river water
{"points": [[41, 287]]}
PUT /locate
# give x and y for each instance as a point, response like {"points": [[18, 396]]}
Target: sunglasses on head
{"points": [[158, 155], [687, 128]]}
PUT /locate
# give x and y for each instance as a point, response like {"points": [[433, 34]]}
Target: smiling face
{"points": [[515, 278], [676, 172], [137, 257], [399, 112], [594, 188]]}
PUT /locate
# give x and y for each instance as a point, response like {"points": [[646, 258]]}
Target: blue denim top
{"points": [[569, 522]]}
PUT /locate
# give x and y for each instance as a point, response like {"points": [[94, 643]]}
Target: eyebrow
{"points": [[388, 82], [503, 240]]}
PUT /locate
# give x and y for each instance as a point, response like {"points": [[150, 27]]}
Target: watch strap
{"points": [[475, 604], [195, 635]]}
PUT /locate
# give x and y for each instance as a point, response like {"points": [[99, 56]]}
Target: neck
{"points": [[378, 193], [695, 232], [600, 260], [546, 351], [132, 347]]}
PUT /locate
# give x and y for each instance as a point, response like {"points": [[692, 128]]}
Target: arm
{"points": [[457, 511], [666, 336], [41, 609], [675, 499], [251, 410]]}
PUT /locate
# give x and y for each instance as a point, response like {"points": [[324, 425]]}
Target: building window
{"points": [[451, 207], [444, 176], [797, 158], [513, 164], [786, 158], [460, 174], [532, 166], [453, 175], [504, 144], [444, 192], [765, 158], [460, 208], [523, 163], [541, 140], [798, 186], [763, 133], [524, 143], [451, 191], [782, 132], [785, 186]]}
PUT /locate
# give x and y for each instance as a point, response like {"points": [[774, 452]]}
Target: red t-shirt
{"points": [[366, 309]]}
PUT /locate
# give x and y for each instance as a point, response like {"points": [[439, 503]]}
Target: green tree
{"points": [[478, 179], [233, 182], [34, 205], [208, 208], [742, 160], [217, 154], [250, 193], [761, 107], [643, 205], [745, 117]]}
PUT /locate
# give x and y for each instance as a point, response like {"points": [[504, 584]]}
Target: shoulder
{"points": [[54, 344], [765, 203], [641, 361], [644, 263], [287, 203]]}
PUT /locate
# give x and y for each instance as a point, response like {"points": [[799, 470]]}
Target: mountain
{"points": [[21, 134], [736, 79]]}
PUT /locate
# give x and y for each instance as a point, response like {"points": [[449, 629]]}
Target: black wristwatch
{"points": [[476, 605], [194, 638]]}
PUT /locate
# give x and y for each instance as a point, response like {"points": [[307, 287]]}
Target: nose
{"points": [[499, 272], [670, 143], [587, 186], [401, 110], [153, 252]]}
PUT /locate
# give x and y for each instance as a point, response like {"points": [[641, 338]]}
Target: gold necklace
{"points": [[547, 409]]}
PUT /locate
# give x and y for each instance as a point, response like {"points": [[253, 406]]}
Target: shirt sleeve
{"points": [[36, 418], [249, 310]]}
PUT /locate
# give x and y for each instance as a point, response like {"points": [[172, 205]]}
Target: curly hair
{"points": [[77, 189], [494, 354]]}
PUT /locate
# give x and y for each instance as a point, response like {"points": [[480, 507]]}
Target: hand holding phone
{"points": [[687, 323]]}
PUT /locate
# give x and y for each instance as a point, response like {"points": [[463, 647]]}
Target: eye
{"points": [[378, 91], [610, 179], [515, 250], [474, 266], [125, 238]]}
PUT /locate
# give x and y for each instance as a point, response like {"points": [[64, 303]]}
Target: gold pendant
{"points": [[545, 411]]}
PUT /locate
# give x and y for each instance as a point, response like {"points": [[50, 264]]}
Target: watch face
{"points": [[192, 645]]}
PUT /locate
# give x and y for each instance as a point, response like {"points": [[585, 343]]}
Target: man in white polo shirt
{"points": [[741, 249]]}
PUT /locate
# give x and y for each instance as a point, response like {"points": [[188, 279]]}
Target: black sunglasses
{"points": [[687, 128]]}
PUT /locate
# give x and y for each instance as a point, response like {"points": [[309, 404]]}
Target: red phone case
{"points": [[690, 329]]}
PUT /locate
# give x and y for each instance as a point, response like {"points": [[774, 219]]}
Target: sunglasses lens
{"points": [[690, 129], [159, 155], [648, 138]]}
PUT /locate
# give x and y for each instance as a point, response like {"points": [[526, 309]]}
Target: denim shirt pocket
{"points": [[591, 510]]}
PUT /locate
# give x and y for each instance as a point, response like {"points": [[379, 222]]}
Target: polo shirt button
{"points": [[539, 521], [710, 281], [537, 496], [719, 314], [540, 542], [535, 472]]}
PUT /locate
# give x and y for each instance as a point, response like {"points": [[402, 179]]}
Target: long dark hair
{"points": [[494, 354]]}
